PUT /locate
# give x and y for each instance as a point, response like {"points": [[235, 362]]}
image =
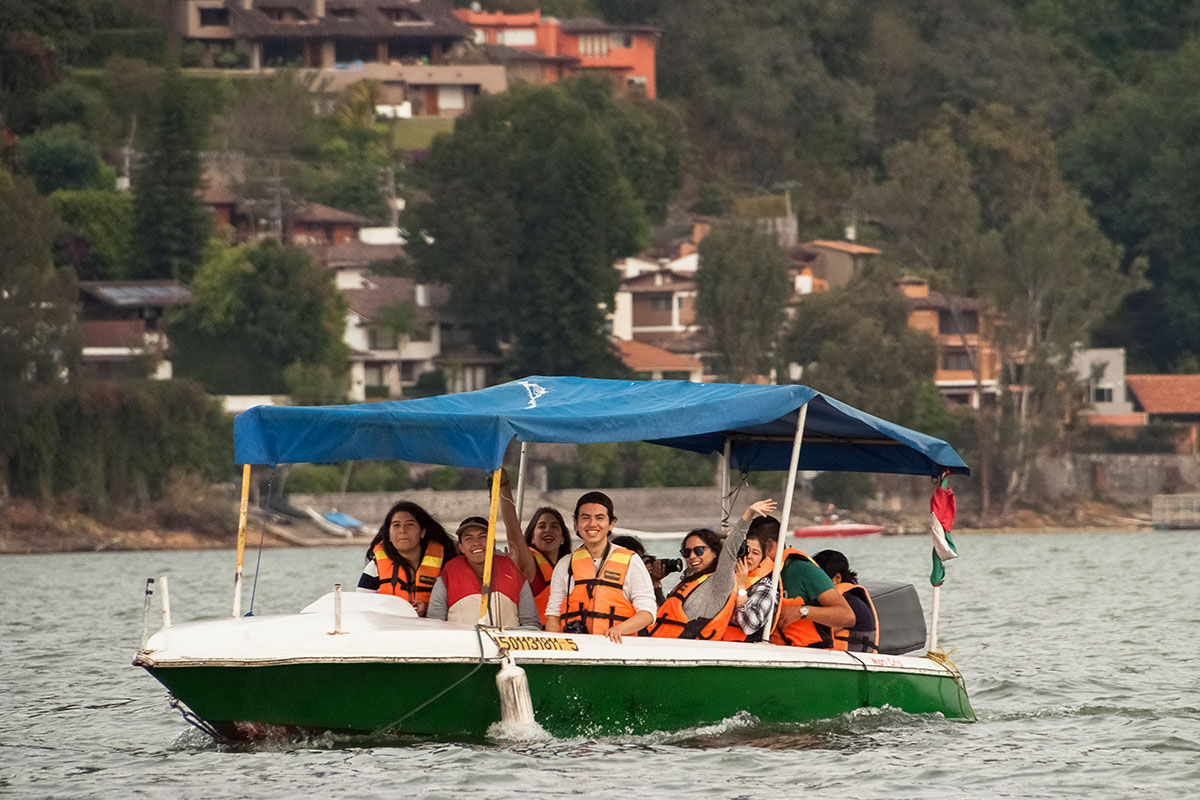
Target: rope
{"points": [[262, 531], [479, 634], [191, 719], [942, 657], [729, 500]]}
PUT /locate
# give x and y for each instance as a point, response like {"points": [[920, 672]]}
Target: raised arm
{"points": [[518, 551]]}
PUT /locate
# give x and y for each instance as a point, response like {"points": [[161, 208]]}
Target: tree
{"points": [[741, 291], [99, 231], [259, 310], [59, 158], [171, 225], [855, 344], [37, 312], [528, 210]]}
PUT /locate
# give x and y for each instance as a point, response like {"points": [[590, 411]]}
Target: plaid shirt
{"points": [[753, 615]]}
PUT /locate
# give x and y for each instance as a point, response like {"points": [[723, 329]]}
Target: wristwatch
{"points": [[803, 612], [741, 592]]}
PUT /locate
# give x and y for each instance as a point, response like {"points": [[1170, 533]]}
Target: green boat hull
{"points": [[568, 699]]}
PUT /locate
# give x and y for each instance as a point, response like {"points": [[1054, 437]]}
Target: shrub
{"points": [[315, 479]]}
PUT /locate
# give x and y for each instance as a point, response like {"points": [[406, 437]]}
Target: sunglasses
{"points": [[698, 550]]}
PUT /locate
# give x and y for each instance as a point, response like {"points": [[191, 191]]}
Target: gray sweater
{"points": [[707, 599]]}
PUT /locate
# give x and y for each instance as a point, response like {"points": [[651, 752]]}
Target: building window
{"points": [[343, 13], [956, 360], [480, 36], [620, 40], [593, 45], [451, 98], [400, 15], [1102, 394], [968, 322], [214, 17], [372, 375], [662, 302], [380, 338], [517, 37], [959, 397]]}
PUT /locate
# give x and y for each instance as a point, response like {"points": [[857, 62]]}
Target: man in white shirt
{"points": [[594, 521]]}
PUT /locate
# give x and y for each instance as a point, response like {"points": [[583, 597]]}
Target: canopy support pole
{"points": [[521, 483], [933, 618], [726, 500], [489, 554], [789, 491], [241, 542]]}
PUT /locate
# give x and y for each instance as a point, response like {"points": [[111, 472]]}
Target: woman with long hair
{"points": [[545, 543], [405, 558]]}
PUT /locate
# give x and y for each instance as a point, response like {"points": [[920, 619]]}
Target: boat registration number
{"points": [[535, 643]]}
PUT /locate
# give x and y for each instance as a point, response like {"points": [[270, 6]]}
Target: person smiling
{"points": [[457, 595], [405, 558], [601, 588], [545, 543]]}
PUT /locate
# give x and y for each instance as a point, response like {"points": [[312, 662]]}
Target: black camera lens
{"points": [[672, 565]]}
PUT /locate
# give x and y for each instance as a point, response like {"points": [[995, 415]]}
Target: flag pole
{"points": [[521, 483], [933, 617], [726, 502], [777, 594]]}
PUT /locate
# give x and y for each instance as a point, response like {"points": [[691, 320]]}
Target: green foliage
{"points": [[60, 158], [38, 342], [171, 225], [855, 344], [100, 227], [843, 489], [741, 286], [35, 35], [429, 384], [70, 103], [315, 478], [380, 476], [144, 43], [316, 384], [629, 464], [527, 212], [116, 444], [258, 310]]}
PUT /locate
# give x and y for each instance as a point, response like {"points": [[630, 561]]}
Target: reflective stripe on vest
{"points": [[598, 601], [673, 622], [858, 641], [800, 632], [464, 590], [393, 577]]}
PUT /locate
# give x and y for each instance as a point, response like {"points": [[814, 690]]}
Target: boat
{"points": [[336, 523], [362, 663], [837, 530]]}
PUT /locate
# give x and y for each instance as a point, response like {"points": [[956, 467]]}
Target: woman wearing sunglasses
{"points": [[701, 605]]}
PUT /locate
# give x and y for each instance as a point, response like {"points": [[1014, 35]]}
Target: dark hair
{"points": [[631, 542], [431, 530], [564, 547], [470, 522], [765, 531], [833, 562], [710, 538], [595, 497]]}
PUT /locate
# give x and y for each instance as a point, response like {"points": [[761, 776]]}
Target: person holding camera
{"points": [[701, 605], [658, 568], [601, 588]]}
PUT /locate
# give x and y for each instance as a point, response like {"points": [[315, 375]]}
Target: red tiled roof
{"points": [[1166, 394], [315, 212], [387, 291], [642, 357], [846, 247], [354, 253]]}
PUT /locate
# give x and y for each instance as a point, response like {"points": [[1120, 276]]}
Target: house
{"points": [[122, 330], [302, 224], [1101, 375], [406, 45], [648, 362], [1170, 398], [558, 49], [833, 263], [962, 329], [661, 306]]}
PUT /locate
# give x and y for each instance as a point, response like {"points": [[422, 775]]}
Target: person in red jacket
{"points": [[457, 595]]}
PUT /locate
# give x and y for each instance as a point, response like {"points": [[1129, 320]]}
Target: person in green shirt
{"points": [[823, 604]]}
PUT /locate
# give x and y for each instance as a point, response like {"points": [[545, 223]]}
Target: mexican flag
{"points": [[941, 507]]}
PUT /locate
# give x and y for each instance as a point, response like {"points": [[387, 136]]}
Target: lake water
{"points": [[1081, 653]]}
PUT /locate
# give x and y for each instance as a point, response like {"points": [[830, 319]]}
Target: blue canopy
{"points": [[473, 429]]}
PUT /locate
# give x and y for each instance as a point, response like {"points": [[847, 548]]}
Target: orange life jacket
{"points": [[733, 633], [801, 632], [858, 641], [545, 572], [393, 577], [464, 591], [598, 601], [673, 623]]}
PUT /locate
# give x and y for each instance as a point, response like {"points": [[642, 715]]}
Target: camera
{"points": [[575, 626], [743, 551], [669, 564]]}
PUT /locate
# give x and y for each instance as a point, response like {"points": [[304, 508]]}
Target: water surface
{"points": [[1081, 654]]}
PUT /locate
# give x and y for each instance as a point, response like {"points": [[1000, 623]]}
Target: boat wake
{"points": [[517, 733]]}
